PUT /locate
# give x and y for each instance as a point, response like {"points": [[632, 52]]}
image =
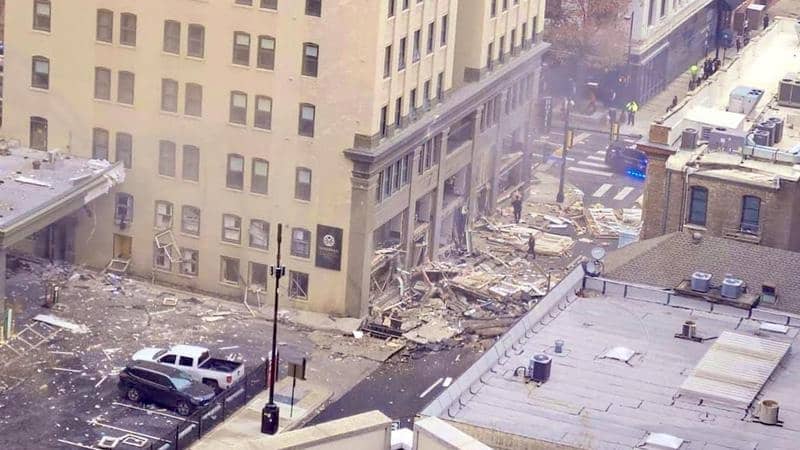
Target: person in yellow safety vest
{"points": [[632, 108], [693, 70]]}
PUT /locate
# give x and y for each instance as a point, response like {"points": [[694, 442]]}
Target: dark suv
{"points": [[148, 381], [624, 157]]}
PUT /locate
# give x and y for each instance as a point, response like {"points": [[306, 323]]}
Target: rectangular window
{"points": [[387, 61], [412, 102], [125, 87], [100, 139], [302, 184], [384, 127], [298, 285], [191, 163], [172, 37], [124, 149], [166, 158], [263, 113], [169, 95], [193, 103], [310, 59], [697, 205], [269, 4], [244, 2], [231, 228], [190, 262], [513, 39], [41, 15], [391, 8], [102, 83], [40, 72], [306, 120], [502, 50], [398, 112], [426, 94], [405, 5], [259, 234], [259, 180], [163, 219], [444, 30], [493, 9], [751, 210], [235, 175], [524, 36], [266, 52], [314, 8], [123, 210], [415, 47], [401, 54], [127, 29], [238, 111], [105, 25], [196, 41], [301, 242], [259, 273], [431, 36], [160, 258], [505, 5], [241, 48], [440, 86], [229, 270], [190, 220], [490, 56]]}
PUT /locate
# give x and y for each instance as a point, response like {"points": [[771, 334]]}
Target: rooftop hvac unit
{"points": [[539, 368], [769, 127], [744, 99], [726, 139], [701, 281], [778, 128], [789, 90], [731, 287], [761, 137], [689, 139]]}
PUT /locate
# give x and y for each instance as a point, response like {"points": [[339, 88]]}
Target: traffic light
{"points": [[569, 138]]}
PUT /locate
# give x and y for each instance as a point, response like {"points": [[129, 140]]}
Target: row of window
{"points": [[402, 56], [698, 208], [313, 7], [413, 105], [501, 53], [493, 7], [392, 4], [259, 178]]}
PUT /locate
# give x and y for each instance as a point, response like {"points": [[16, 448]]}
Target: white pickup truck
{"points": [[196, 362]]}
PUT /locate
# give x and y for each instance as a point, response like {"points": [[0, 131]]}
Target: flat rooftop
{"points": [[594, 402], [24, 190]]}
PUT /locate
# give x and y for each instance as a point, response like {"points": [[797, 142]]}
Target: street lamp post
{"points": [[630, 47], [560, 195], [270, 414]]}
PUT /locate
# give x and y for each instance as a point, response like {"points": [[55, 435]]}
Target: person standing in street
{"points": [[516, 203], [766, 21], [693, 71], [632, 107], [738, 43], [531, 246]]}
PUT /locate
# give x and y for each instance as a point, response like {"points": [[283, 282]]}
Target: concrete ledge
{"points": [[772, 316], [690, 303], [730, 311]]}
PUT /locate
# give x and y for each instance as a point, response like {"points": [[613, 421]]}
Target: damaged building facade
{"points": [[354, 124]]}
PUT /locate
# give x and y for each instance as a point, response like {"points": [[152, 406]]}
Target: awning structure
{"points": [[731, 5], [38, 188]]}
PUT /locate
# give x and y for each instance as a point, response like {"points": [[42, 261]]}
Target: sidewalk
{"points": [[246, 422]]}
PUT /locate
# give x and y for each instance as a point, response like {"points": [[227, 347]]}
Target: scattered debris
{"points": [[61, 323]]}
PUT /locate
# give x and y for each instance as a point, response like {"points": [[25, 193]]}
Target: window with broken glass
{"points": [[259, 234], [124, 149], [160, 259], [100, 143], [231, 228], [394, 177], [259, 181], [190, 220], [258, 276], [123, 212], [163, 218], [298, 285], [229, 270], [190, 262], [235, 176], [301, 242]]}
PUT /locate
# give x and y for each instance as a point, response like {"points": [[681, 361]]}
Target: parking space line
{"points": [[596, 158], [98, 423], [76, 444], [623, 193], [590, 171], [431, 387], [602, 190], [148, 411], [593, 164]]}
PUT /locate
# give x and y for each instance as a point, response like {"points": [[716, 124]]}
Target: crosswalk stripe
{"points": [[601, 152], [582, 137], [596, 158], [590, 171], [623, 193], [640, 200], [593, 164], [601, 191]]}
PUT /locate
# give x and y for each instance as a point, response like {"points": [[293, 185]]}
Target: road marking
{"points": [[601, 152], [602, 190], [640, 200], [582, 137], [590, 171], [596, 158], [432, 387], [623, 193], [593, 164], [447, 382]]}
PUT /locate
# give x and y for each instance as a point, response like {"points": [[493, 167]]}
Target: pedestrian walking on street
{"points": [[516, 203], [632, 107], [738, 43], [531, 246], [766, 21]]}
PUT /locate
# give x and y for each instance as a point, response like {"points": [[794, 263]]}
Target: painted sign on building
{"points": [[329, 247]]}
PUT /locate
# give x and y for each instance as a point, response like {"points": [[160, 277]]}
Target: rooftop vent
{"points": [[701, 282], [689, 139], [768, 413], [689, 332], [731, 287], [768, 293], [539, 368], [623, 354], [663, 440]]}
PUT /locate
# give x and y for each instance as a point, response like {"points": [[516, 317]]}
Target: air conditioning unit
{"points": [[789, 90], [732, 287], [701, 281], [720, 138], [744, 99]]}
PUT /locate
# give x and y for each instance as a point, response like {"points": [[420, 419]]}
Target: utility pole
{"points": [[630, 46], [567, 144], [270, 414]]}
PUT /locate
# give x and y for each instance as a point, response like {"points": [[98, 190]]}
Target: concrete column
{"points": [[2, 286], [410, 222], [472, 172], [360, 251], [494, 148], [438, 204]]}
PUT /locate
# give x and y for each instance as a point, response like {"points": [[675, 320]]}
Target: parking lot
{"points": [[63, 393]]}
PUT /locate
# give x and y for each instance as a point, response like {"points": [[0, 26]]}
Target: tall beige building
{"points": [[357, 124]]}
